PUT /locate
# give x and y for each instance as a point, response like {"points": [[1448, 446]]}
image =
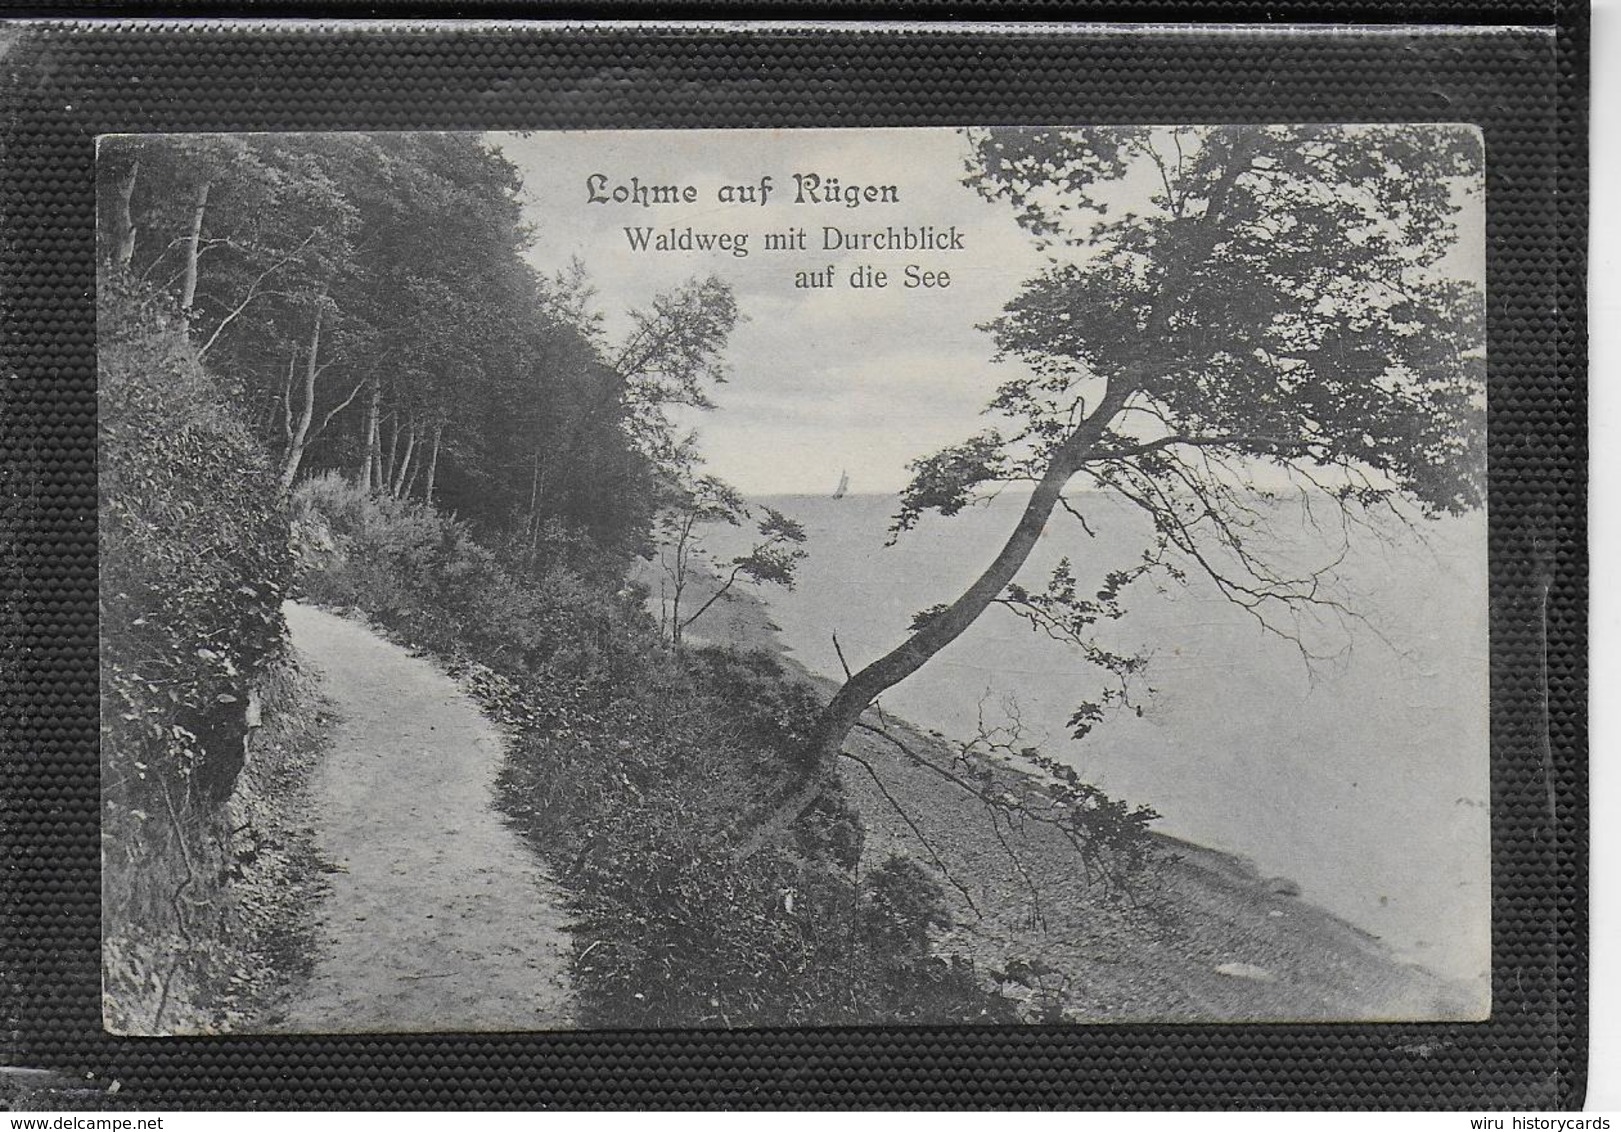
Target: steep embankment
{"points": [[438, 917], [1209, 938]]}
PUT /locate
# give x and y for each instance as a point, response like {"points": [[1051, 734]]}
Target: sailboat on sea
{"points": [[844, 485]]}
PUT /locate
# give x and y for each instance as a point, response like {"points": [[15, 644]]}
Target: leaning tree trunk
{"points": [[306, 413], [844, 711], [411, 481], [841, 714], [188, 288], [401, 474]]}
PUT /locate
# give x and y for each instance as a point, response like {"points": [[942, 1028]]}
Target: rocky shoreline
{"points": [[1210, 939]]}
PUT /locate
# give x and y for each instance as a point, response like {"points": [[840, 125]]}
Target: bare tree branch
{"points": [[939, 863], [342, 405], [253, 292]]}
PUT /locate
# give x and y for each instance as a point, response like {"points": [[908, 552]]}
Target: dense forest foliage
{"points": [[371, 300], [328, 369]]}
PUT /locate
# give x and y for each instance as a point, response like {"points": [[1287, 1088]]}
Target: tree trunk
{"points": [[369, 439], [397, 488], [287, 398], [188, 288], [860, 690], [675, 613], [385, 471], [844, 711], [411, 480], [433, 462], [124, 220], [295, 447], [679, 580]]}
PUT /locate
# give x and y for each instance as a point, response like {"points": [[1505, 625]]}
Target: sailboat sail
{"points": [[844, 486]]}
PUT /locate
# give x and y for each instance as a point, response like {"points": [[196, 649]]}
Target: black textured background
{"points": [[1526, 87]]}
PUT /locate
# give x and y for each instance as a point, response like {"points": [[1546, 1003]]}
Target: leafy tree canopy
{"points": [[1275, 296], [1229, 314], [370, 299]]}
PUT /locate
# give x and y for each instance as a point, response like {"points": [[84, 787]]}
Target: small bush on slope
{"points": [[630, 768], [425, 576]]}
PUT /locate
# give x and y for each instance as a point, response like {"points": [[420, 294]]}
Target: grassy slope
{"points": [[1111, 962]]}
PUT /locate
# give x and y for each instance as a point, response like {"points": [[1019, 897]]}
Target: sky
{"points": [[823, 379]]}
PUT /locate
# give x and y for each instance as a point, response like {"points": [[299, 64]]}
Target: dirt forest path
{"points": [[439, 917]]}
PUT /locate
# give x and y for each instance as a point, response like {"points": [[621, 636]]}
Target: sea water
{"points": [[1363, 777]]}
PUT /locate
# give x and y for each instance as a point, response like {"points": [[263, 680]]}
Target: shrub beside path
{"points": [[439, 917]]}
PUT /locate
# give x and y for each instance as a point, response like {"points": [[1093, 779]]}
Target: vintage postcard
{"points": [[701, 578]]}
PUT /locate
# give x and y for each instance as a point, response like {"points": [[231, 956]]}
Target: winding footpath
{"points": [[439, 917]]}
